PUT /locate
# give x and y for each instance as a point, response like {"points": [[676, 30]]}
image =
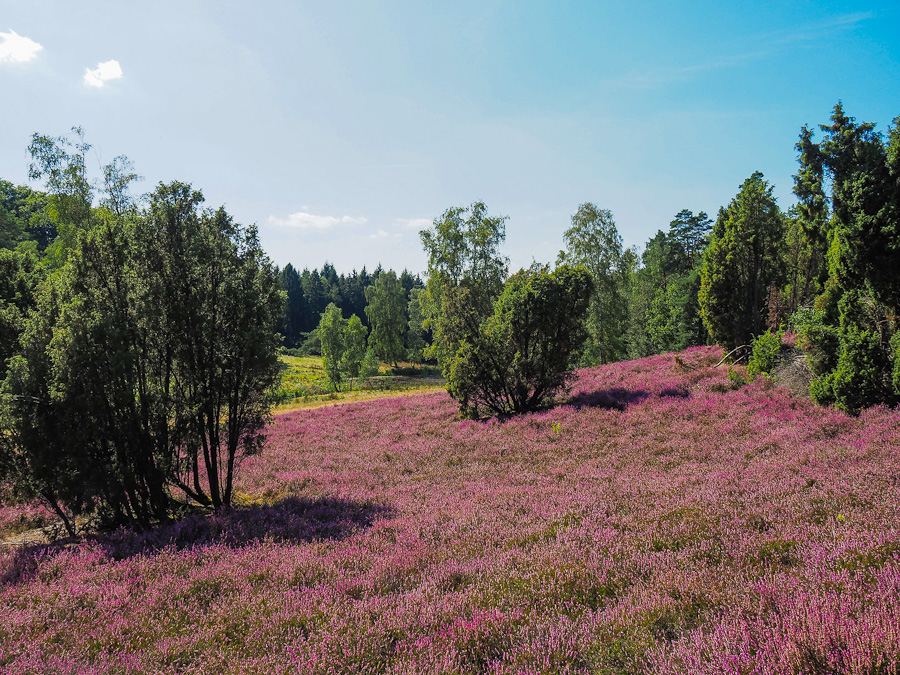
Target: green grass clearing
{"points": [[304, 384]]}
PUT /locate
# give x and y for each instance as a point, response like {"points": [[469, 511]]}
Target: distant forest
{"points": [[310, 292]]}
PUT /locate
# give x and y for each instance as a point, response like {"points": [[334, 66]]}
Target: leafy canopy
{"points": [[518, 359]]}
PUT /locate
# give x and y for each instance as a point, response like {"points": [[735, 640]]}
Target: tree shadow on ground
{"points": [[616, 398], [291, 520], [619, 398]]}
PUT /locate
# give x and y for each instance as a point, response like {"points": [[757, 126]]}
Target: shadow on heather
{"points": [[615, 398], [618, 398], [292, 520]]}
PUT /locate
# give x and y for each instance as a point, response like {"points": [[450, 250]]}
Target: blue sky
{"points": [[342, 128]]}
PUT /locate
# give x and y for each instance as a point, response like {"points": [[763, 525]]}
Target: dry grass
{"points": [[340, 398]]}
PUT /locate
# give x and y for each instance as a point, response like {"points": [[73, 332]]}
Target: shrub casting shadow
{"points": [[616, 398], [292, 520]]}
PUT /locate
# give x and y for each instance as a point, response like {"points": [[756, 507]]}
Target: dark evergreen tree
{"points": [[145, 364], [743, 260], [291, 324], [853, 335]]}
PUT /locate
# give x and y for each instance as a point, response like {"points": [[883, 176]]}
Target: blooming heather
{"points": [[662, 521]]}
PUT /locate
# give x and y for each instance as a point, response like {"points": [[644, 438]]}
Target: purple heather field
{"points": [[661, 521]]}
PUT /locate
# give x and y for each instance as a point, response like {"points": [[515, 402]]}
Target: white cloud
{"points": [[108, 70], [384, 234], [17, 49], [309, 221], [415, 223]]}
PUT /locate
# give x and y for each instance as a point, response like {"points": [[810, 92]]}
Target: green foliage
{"points": [[354, 347], [853, 176], [738, 376], [415, 333], [20, 275], [594, 243], [764, 356], [859, 379], [741, 263], [518, 358], [370, 366], [60, 162], [331, 335], [465, 275], [146, 361], [23, 218], [387, 314]]}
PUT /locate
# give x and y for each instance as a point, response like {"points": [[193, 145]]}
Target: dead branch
{"points": [[730, 353]]}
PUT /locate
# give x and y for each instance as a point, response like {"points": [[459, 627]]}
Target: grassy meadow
{"points": [[661, 520], [304, 384]]}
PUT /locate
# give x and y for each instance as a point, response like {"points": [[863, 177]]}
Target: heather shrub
{"points": [[726, 531]]}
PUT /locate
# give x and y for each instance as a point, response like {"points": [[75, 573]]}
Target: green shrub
{"points": [[818, 339], [895, 375], [517, 359], [764, 357], [859, 379]]}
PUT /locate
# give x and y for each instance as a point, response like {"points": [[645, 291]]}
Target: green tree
{"points": [[354, 347], [331, 334], [12, 230], [689, 236], [415, 333], [465, 275], [743, 260], [61, 163], [519, 359], [849, 190], [594, 242], [147, 363], [371, 365], [23, 217], [223, 301], [387, 315], [20, 275]]}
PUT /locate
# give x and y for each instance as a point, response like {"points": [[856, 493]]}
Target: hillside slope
{"points": [[659, 522]]}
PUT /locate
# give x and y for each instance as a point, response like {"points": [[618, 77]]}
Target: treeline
{"points": [[310, 292], [643, 303], [826, 269]]}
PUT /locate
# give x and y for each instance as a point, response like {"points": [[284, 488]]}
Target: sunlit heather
{"points": [[660, 522]]}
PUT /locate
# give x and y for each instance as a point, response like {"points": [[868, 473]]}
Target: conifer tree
{"points": [[743, 259]]}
